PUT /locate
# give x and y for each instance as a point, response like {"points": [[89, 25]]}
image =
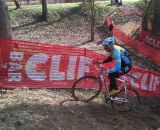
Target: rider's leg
{"points": [[112, 78], [113, 84]]}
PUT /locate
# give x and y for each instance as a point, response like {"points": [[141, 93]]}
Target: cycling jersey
{"points": [[121, 57]]}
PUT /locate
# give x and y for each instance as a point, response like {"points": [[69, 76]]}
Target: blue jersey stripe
{"points": [[117, 58]]}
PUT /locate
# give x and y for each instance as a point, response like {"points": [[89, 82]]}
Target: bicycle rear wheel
{"points": [[86, 88], [125, 102]]}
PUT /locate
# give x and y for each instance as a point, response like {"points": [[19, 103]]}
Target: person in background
{"points": [[116, 2]]}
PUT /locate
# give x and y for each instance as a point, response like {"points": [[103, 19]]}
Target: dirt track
{"points": [[23, 109]]}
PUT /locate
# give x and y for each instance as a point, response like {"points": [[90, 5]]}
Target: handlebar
{"points": [[99, 65], [103, 69]]}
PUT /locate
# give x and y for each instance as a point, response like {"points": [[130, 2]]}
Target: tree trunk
{"points": [[156, 18], [111, 2], [145, 2], [147, 14], [92, 20], [120, 2], [29, 2], [17, 4], [44, 10], [5, 26], [151, 20]]}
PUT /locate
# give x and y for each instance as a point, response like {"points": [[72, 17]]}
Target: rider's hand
{"points": [[105, 72], [97, 62], [100, 62]]}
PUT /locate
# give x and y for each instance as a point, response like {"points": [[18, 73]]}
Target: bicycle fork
{"points": [[106, 87]]}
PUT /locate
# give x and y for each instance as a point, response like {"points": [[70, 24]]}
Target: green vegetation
{"points": [[33, 12], [64, 11], [131, 1]]}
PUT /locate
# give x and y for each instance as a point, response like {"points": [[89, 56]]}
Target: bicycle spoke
{"points": [[86, 88]]}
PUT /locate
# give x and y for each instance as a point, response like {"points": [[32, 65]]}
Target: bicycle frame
{"points": [[102, 77], [124, 80], [125, 100]]}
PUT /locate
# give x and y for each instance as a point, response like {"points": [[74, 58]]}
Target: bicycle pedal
{"points": [[107, 99], [112, 98]]}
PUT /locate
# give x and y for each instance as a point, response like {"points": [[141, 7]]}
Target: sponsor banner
{"points": [[150, 39], [127, 8], [128, 11], [108, 22], [147, 51], [37, 65], [146, 82]]}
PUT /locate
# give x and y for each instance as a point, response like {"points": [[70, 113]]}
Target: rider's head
{"points": [[108, 43]]}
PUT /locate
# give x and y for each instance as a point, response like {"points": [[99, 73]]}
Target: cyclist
{"points": [[122, 62]]}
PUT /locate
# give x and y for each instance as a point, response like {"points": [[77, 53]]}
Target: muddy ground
{"points": [[23, 109]]}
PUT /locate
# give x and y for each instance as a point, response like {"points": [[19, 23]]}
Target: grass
{"points": [[64, 11], [131, 1], [34, 11], [31, 13]]}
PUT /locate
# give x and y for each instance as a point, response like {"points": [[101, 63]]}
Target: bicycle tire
{"points": [[133, 100], [82, 92]]}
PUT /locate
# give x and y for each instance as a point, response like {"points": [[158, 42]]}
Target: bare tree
{"points": [[156, 17], [151, 20], [5, 26], [17, 4], [28, 2], [92, 20], [147, 15], [44, 10]]}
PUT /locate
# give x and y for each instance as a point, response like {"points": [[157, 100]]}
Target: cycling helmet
{"points": [[108, 42]]}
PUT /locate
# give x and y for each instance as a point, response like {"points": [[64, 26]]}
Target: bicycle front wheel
{"points": [[86, 88], [125, 100]]}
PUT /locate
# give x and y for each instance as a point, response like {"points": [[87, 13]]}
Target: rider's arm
{"points": [[117, 58], [109, 59]]}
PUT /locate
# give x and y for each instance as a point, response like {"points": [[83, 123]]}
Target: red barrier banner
{"points": [[127, 8], [144, 49], [36, 65], [147, 51], [108, 22], [128, 13], [147, 82], [150, 39]]}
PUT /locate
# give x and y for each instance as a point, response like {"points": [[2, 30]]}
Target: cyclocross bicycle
{"points": [[89, 87]]}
